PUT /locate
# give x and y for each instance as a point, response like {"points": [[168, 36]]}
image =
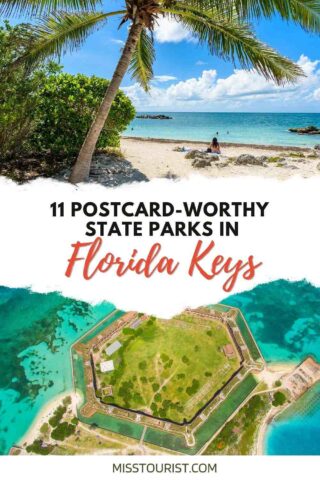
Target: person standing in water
{"points": [[214, 146]]}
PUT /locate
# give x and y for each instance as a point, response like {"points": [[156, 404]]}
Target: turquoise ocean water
{"points": [[36, 331], [257, 128], [285, 320]]}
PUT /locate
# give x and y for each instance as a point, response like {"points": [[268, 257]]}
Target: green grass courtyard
{"points": [[168, 368]]}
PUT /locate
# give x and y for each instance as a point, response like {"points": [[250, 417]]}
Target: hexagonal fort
{"points": [[165, 368], [171, 375]]}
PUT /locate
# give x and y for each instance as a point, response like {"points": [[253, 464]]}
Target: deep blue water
{"points": [[36, 331], [257, 128]]}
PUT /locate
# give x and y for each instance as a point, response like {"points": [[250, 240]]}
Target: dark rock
{"points": [[201, 159], [192, 154], [154, 117], [310, 130], [201, 162], [246, 159], [112, 171], [197, 154], [317, 147], [221, 164]]}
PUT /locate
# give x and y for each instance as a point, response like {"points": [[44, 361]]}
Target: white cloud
{"points": [[117, 41], [194, 88], [168, 30], [241, 90], [307, 65], [200, 63], [164, 78], [316, 94]]}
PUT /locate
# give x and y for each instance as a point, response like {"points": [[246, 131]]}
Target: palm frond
{"points": [[142, 60], [304, 12], [234, 40], [62, 32], [29, 8]]}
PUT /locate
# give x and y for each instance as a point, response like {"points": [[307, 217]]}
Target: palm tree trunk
{"points": [[81, 169]]}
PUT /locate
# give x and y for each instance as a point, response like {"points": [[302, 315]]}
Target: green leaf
{"points": [[142, 60], [304, 12], [29, 8], [232, 39], [62, 32]]}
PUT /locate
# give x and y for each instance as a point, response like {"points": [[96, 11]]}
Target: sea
{"points": [[252, 128], [37, 330]]}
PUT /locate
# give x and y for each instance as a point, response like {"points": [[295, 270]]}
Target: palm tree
{"points": [[222, 25]]}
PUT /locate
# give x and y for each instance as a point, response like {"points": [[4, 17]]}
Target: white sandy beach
{"points": [[43, 416], [275, 371], [261, 440], [260, 443], [157, 158]]}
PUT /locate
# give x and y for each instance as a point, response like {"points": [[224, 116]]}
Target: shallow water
{"points": [[36, 331], [285, 320], [297, 431], [256, 128]]}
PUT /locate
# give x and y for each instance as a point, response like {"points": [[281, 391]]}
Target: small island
{"points": [[310, 130], [154, 117]]}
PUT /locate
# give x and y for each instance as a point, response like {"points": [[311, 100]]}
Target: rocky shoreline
{"points": [[200, 159]]}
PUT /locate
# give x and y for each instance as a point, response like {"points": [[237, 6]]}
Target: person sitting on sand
{"points": [[214, 146]]}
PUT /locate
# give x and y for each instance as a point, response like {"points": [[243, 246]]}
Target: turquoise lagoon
{"points": [[36, 332]]}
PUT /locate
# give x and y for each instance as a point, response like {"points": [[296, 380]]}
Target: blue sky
{"points": [[99, 55], [189, 78]]}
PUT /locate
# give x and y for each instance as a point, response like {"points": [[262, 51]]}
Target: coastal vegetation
{"points": [[91, 440], [66, 106], [61, 425], [224, 27], [19, 90], [279, 399], [46, 113], [38, 448], [238, 435], [63, 430], [57, 416]]}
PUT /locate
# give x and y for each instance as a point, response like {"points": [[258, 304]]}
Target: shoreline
{"points": [[274, 367], [159, 158], [281, 366], [284, 148], [42, 417], [262, 433]]}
